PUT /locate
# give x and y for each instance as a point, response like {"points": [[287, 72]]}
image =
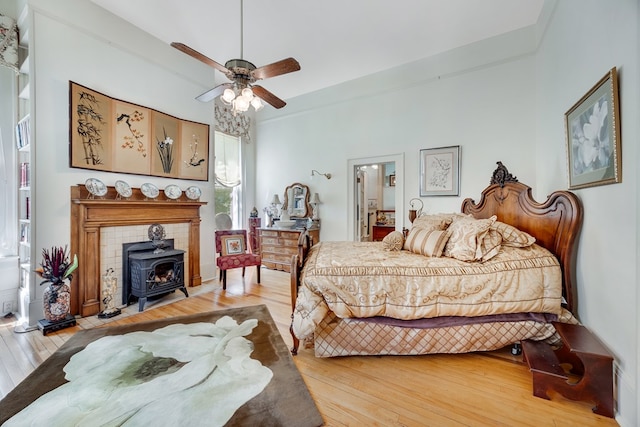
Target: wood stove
{"points": [[148, 272]]}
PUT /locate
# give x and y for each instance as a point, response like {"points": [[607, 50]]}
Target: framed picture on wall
{"points": [[112, 135], [593, 136], [440, 171]]}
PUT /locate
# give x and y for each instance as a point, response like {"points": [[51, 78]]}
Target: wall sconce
{"points": [[315, 172]]}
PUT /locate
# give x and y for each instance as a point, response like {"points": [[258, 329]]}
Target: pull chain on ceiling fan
{"points": [[241, 92]]}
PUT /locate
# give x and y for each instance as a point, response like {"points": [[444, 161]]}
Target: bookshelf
{"points": [[24, 133]]}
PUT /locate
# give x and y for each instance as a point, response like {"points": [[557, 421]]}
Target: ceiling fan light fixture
{"points": [[241, 103], [247, 93], [228, 96], [257, 104]]}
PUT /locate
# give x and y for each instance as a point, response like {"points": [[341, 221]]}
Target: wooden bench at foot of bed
{"points": [[590, 377]]}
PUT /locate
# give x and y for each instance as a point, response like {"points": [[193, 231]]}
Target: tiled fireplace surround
{"points": [[112, 238], [99, 227]]}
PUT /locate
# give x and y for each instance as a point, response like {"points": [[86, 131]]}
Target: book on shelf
{"points": [[25, 233], [25, 175], [23, 133]]}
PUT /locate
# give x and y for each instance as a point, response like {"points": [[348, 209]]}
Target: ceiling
{"points": [[333, 40]]}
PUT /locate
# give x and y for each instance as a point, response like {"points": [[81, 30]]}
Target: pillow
{"points": [[427, 242], [393, 241], [232, 244], [490, 245], [466, 237], [433, 222], [511, 236]]}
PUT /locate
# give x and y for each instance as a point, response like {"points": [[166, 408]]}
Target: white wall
{"points": [[583, 41], [76, 40], [502, 99], [463, 107]]}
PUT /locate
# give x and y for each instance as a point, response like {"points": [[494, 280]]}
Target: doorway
{"points": [[363, 200]]}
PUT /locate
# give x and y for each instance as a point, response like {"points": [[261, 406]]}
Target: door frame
{"points": [[352, 164]]}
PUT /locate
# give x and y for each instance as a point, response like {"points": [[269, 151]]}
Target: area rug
{"points": [[229, 367]]}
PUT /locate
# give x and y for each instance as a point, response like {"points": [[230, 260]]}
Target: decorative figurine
{"points": [[109, 289], [254, 213], [157, 235]]}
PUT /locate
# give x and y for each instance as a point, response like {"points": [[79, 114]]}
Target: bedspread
{"points": [[361, 279]]}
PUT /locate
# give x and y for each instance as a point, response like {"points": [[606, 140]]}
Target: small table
{"points": [[379, 231]]}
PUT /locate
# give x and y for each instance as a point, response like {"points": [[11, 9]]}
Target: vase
{"points": [[56, 301]]}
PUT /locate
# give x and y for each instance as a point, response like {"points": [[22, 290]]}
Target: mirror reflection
{"points": [[296, 200]]}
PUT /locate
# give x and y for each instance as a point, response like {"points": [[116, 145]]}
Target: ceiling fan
{"points": [[243, 74]]}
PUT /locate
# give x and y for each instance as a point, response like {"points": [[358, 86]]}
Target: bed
{"points": [[359, 298]]}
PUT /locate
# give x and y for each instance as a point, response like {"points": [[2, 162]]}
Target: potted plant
{"points": [[56, 269]]}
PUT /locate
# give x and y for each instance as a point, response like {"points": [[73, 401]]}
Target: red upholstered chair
{"points": [[232, 250]]}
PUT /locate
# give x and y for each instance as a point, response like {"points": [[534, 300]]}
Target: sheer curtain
{"points": [[227, 155], [228, 176]]}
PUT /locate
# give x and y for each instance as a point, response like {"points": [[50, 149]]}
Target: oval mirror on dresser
{"points": [[296, 201]]}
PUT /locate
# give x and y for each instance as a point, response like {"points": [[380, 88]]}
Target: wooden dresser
{"points": [[277, 246]]}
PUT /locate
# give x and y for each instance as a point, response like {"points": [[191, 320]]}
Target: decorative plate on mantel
{"points": [[123, 189], [95, 187], [149, 190], [172, 192], [193, 193]]}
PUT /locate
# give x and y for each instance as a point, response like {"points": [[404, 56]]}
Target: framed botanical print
{"points": [[593, 136], [440, 171]]}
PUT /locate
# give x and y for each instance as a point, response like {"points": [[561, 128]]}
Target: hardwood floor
{"points": [[477, 389]]}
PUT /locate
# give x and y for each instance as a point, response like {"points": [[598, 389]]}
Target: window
{"points": [[228, 177]]}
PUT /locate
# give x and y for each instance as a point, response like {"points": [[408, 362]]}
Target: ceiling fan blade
{"points": [[284, 66], [268, 97], [197, 55], [213, 93]]}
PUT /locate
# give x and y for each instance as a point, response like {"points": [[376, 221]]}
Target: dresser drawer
{"points": [[279, 258], [277, 247], [269, 233], [269, 241]]}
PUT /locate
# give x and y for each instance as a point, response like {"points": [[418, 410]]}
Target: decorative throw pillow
{"points": [[489, 246], [427, 242], [466, 236], [433, 222], [511, 236], [393, 241]]}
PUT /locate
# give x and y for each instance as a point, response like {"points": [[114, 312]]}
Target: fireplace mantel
{"points": [[88, 215]]}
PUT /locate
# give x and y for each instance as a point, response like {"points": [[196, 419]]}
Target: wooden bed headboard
{"points": [[555, 224]]}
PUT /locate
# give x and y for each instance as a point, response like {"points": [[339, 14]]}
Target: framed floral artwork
{"points": [[112, 135], [440, 171], [232, 245], [593, 136]]}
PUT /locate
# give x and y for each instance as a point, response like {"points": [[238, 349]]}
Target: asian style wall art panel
{"points": [[112, 135]]}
